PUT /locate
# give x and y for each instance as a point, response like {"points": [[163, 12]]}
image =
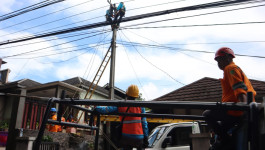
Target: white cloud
{"points": [[5, 6], [183, 66]]}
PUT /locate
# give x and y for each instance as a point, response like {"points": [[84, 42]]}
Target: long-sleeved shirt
{"points": [[110, 109], [235, 82], [121, 6]]}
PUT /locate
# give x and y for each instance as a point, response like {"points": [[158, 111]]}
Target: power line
{"points": [[45, 15], [52, 39], [137, 17], [28, 9], [128, 10], [59, 53], [181, 49], [50, 46], [66, 25], [156, 5], [51, 22], [101, 15], [197, 25], [193, 16], [152, 63], [72, 16], [134, 70], [56, 20]]}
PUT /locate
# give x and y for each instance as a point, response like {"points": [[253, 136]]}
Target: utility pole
{"points": [[111, 79], [112, 64], [112, 69]]}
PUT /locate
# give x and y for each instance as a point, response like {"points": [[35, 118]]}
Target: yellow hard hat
{"points": [[132, 91]]}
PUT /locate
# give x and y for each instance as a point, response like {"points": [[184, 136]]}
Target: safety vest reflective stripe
{"points": [[241, 85], [131, 125]]}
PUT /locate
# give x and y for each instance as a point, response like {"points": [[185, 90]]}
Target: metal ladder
{"points": [[97, 77], [99, 73]]}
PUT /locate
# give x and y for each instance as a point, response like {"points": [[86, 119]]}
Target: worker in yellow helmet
{"points": [[134, 129]]}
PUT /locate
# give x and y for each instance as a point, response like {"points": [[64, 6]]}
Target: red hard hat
{"points": [[223, 51]]}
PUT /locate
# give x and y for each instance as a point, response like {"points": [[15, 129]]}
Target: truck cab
{"points": [[173, 136]]}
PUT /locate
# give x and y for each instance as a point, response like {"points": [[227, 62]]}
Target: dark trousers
{"points": [[108, 18], [130, 143], [120, 14], [220, 121]]}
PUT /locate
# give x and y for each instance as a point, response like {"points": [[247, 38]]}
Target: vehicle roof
{"points": [[174, 124]]}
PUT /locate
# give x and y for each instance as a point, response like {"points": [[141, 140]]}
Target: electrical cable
{"points": [[50, 46], [198, 25], [22, 68], [80, 49], [134, 70], [59, 53], [193, 16], [45, 15], [195, 7], [44, 31], [100, 40], [96, 18], [152, 63], [92, 61], [52, 39], [101, 16], [156, 5], [181, 49], [16, 13], [50, 22], [24, 8]]}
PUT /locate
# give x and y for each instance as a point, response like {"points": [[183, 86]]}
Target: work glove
{"points": [[146, 143]]}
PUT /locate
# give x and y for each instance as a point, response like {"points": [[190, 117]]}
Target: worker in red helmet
{"points": [[134, 129], [235, 86]]}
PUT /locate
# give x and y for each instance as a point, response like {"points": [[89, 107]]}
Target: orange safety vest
{"points": [[234, 83], [131, 125], [52, 127], [60, 127]]}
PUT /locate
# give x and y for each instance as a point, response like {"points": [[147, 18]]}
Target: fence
{"points": [[49, 146], [251, 109]]}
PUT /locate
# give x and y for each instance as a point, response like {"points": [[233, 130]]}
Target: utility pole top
{"points": [[2, 62]]}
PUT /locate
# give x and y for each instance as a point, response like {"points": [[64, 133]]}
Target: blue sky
{"points": [[156, 71]]}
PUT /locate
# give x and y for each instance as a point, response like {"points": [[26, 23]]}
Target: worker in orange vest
{"points": [[235, 86], [70, 129], [60, 127], [52, 127], [134, 129]]}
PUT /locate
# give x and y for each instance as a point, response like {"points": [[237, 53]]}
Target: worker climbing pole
{"points": [[120, 12]]}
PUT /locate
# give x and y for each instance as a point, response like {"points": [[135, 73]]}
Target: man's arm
{"points": [[242, 97], [106, 110], [144, 123]]}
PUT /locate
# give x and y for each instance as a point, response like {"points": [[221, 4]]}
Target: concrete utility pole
{"points": [[112, 71], [112, 64]]}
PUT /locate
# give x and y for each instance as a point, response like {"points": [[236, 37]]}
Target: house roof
{"points": [[206, 90], [28, 82], [76, 84], [53, 84], [80, 82]]}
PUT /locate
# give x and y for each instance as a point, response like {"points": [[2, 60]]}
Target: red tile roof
{"points": [[206, 90]]}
